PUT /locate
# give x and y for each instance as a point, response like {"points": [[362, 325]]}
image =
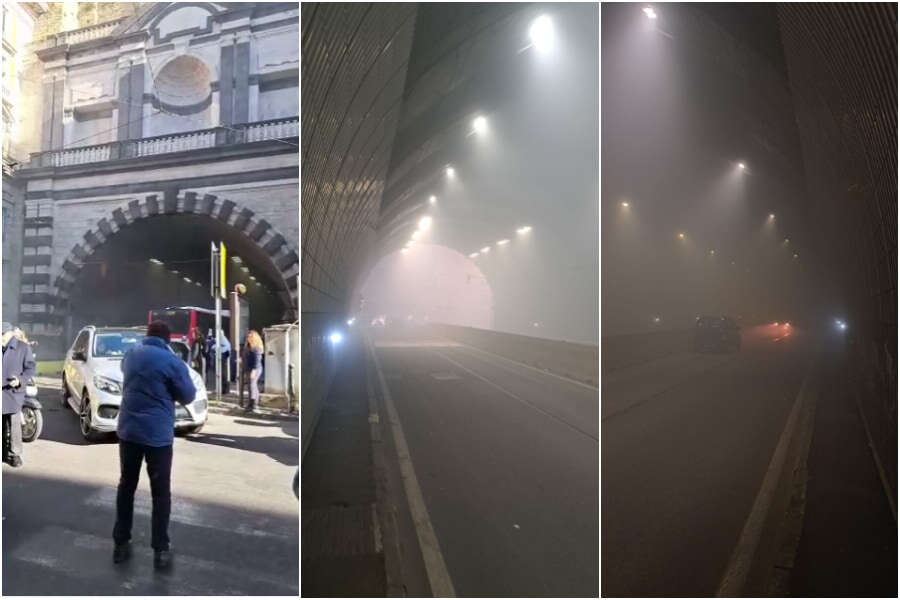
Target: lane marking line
{"points": [[878, 464], [376, 529], [527, 366], [435, 567], [735, 576], [513, 396], [513, 370]]}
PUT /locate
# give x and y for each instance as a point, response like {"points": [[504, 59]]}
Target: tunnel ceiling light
{"points": [[175, 272], [236, 259], [450, 172], [656, 319], [155, 261], [336, 337], [648, 10], [479, 125], [681, 236], [486, 249], [796, 255], [245, 269], [252, 278], [432, 199], [188, 279], [771, 216], [541, 34], [742, 166], [712, 251], [425, 223], [416, 235], [787, 241], [473, 255], [404, 250], [522, 230], [625, 205], [503, 242], [198, 284]]}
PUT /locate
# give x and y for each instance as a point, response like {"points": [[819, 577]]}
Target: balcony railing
{"points": [[76, 36], [259, 131]]}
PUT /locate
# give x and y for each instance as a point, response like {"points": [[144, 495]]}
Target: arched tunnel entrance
{"points": [[158, 259], [428, 283]]}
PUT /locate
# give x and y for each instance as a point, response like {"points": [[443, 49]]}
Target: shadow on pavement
{"points": [[61, 425], [291, 428], [57, 541], [283, 450]]}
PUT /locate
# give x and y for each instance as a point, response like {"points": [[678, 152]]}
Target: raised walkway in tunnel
{"points": [[488, 474]]}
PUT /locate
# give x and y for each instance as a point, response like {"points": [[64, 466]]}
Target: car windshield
{"points": [[180, 350], [114, 344]]}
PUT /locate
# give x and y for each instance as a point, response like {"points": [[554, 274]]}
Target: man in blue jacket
{"points": [[154, 379]]}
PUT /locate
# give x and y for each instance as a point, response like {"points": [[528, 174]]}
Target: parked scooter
{"points": [[32, 419]]}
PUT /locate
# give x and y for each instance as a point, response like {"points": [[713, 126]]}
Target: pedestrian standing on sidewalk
{"points": [[154, 380], [198, 353], [253, 353], [18, 369]]}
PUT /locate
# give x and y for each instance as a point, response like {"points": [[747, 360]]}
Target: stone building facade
{"points": [[18, 23], [180, 108]]}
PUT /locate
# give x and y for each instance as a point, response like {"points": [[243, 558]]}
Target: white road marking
{"points": [[376, 530], [182, 512], [514, 397], [735, 576], [520, 373], [542, 371], [436, 568]]}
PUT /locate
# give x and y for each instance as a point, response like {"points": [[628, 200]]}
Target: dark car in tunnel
{"points": [[716, 334]]}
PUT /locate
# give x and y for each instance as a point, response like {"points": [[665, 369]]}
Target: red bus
{"points": [[182, 320]]}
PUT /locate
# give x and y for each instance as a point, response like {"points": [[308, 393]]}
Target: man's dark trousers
{"points": [[159, 469]]}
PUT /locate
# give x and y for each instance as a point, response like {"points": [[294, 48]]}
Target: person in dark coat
{"points": [[18, 369], [154, 379]]}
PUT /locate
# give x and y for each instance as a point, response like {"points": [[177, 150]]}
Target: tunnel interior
{"points": [[119, 284], [434, 284]]}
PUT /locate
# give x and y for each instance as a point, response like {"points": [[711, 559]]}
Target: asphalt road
{"points": [[686, 441], [507, 461], [234, 522]]}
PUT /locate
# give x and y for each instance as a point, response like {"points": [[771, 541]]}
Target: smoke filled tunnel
{"points": [[388, 139]]}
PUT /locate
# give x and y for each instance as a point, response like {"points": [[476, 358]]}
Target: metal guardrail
{"points": [[164, 144]]}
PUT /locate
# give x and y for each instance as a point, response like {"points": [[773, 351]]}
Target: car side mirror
{"points": [[79, 355]]}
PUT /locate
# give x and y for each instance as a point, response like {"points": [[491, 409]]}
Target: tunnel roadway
{"points": [[686, 443], [507, 461]]}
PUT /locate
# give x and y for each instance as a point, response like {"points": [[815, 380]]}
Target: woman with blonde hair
{"points": [[253, 352]]}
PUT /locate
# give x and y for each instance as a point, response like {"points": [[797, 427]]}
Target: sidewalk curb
{"points": [[233, 409], [761, 561]]}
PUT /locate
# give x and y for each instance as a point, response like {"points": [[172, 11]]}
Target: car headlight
{"points": [[199, 403], [105, 384]]}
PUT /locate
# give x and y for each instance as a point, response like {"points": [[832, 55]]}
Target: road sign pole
{"points": [[215, 276]]}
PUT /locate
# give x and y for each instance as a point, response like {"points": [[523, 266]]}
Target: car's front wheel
{"points": [[195, 428], [32, 424], [85, 419]]}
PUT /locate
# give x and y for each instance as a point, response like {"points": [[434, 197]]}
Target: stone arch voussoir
{"points": [[281, 250]]}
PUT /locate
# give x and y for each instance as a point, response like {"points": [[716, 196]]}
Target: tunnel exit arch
{"points": [[281, 258], [432, 283]]}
